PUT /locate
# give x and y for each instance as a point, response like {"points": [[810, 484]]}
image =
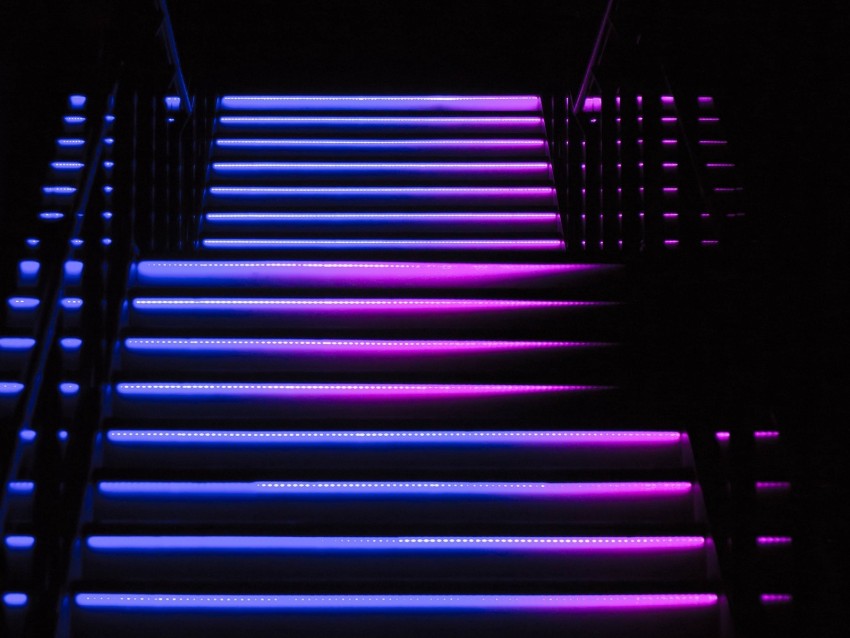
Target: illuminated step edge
{"points": [[390, 191], [382, 102], [420, 273], [283, 390], [499, 218], [458, 121], [386, 488], [341, 345], [383, 167], [379, 437], [406, 244], [15, 599], [403, 544], [417, 144], [394, 601], [448, 304]]}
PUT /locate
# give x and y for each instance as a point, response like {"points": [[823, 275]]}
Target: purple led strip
{"points": [[383, 102], [471, 216], [773, 540], [339, 389], [459, 120], [775, 599], [378, 143], [356, 345], [766, 434], [426, 167], [447, 304], [395, 601], [422, 191], [407, 544], [469, 244], [379, 437], [771, 486], [406, 488]]}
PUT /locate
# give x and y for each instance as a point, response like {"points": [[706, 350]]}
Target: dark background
{"points": [[779, 71]]}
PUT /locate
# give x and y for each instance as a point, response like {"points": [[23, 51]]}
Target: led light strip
{"points": [[439, 266], [399, 303], [381, 216], [412, 143], [491, 244], [384, 166], [177, 389], [416, 544], [217, 344], [395, 601], [407, 488], [459, 120], [232, 437], [472, 191]]}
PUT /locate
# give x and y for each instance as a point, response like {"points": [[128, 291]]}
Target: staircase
{"points": [[378, 401]]}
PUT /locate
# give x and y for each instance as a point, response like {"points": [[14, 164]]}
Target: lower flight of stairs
{"points": [[380, 402]]}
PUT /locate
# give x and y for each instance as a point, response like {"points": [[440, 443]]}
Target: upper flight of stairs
{"points": [[377, 401]]}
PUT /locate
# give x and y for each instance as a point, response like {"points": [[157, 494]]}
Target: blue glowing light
{"points": [[51, 215], [20, 542], [23, 303], [15, 599], [20, 487], [76, 242], [172, 102], [27, 435], [10, 388], [16, 343], [58, 190], [70, 141], [71, 343], [71, 303], [77, 101], [396, 601], [66, 166], [108, 164], [29, 269], [69, 389], [32, 242], [74, 119], [73, 268]]}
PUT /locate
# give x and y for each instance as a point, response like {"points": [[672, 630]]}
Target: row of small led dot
{"points": [[718, 168], [723, 438]]}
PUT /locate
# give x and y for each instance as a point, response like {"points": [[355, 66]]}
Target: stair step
{"points": [[388, 172], [388, 450], [420, 505], [453, 318], [363, 355], [360, 275], [481, 560], [166, 613], [391, 197], [493, 103], [313, 248], [376, 224], [381, 149], [347, 400], [501, 126]]}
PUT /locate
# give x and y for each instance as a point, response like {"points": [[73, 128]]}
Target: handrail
{"points": [[166, 33], [595, 53], [46, 333]]}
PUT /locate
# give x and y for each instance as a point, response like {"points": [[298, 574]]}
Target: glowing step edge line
{"points": [[385, 488], [484, 244], [394, 601], [459, 120], [467, 191], [225, 167], [407, 544], [450, 304], [176, 344], [382, 437], [381, 216], [379, 143], [336, 389]]}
